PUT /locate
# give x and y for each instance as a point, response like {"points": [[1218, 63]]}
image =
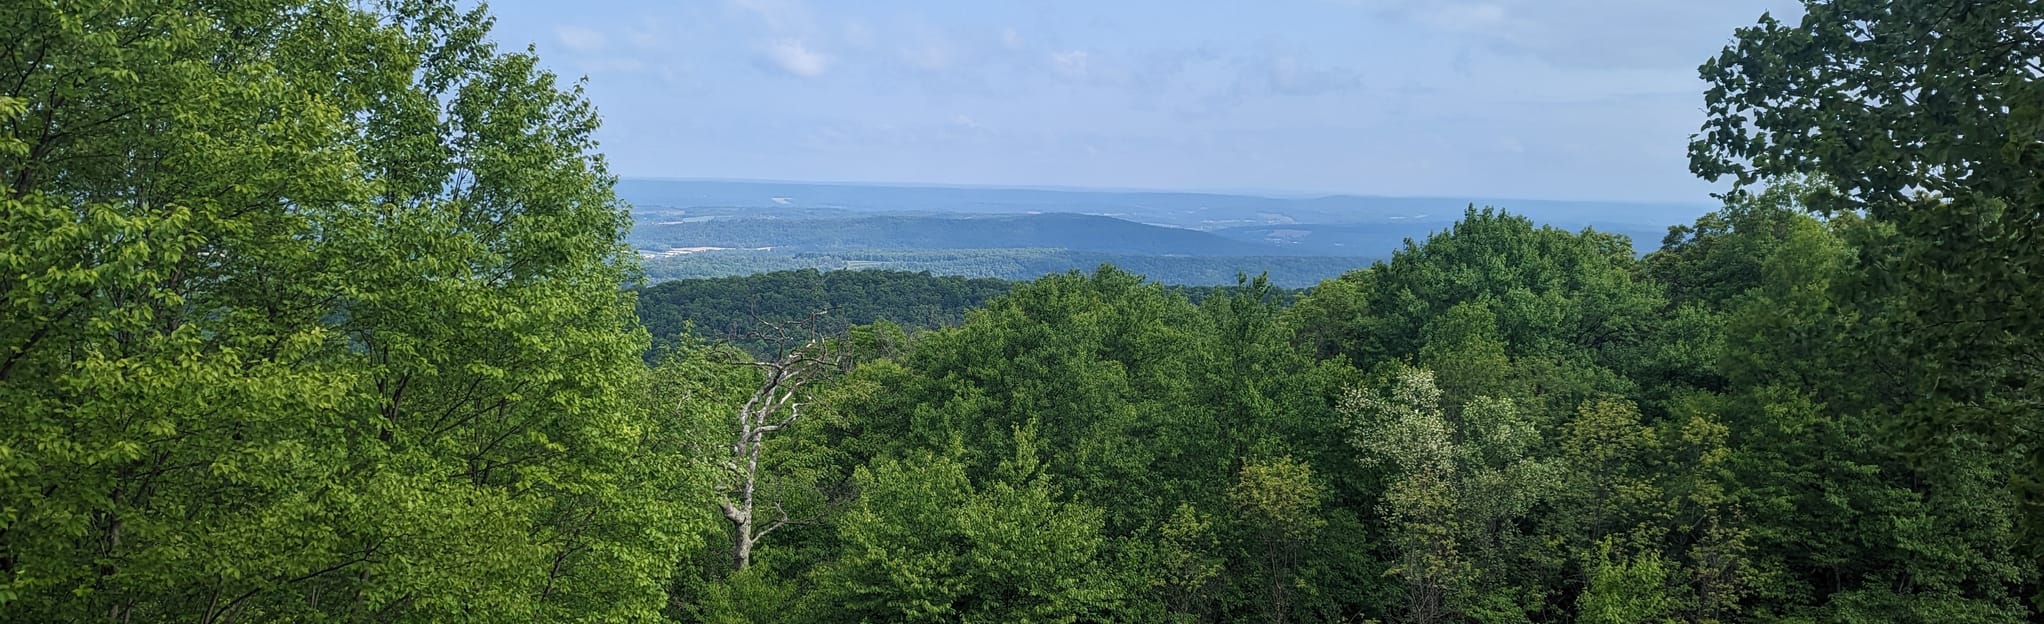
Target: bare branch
{"points": [[800, 355]]}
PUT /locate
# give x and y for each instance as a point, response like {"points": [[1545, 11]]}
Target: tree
{"points": [[1280, 503], [923, 544], [309, 310], [1145, 406], [1105, 365], [1567, 307], [800, 356], [1186, 563], [1929, 118], [1704, 268], [1881, 99], [1626, 591], [1925, 119], [1457, 491]]}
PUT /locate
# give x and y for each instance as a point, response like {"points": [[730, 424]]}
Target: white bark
{"points": [[772, 407]]}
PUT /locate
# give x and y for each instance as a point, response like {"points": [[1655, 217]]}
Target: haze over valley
{"points": [[701, 228]]}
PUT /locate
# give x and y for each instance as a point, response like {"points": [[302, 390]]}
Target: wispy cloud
{"points": [[784, 16], [580, 39], [1072, 63], [794, 57], [789, 35], [1358, 94]]}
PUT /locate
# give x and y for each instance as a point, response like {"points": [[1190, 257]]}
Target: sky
{"points": [[1547, 99]]}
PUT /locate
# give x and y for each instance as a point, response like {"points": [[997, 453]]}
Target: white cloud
{"points": [[1073, 63], [795, 57], [1011, 40], [580, 39]]}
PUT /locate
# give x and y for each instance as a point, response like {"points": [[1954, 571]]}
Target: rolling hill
{"points": [[695, 229], [1075, 232]]}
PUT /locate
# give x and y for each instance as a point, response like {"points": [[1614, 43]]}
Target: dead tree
{"points": [[798, 354]]}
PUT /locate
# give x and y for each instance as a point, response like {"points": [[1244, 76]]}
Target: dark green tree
{"points": [[1924, 120]]}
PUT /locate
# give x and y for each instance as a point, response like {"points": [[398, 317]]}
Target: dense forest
{"points": [[742, 311], [1007, 264], [310, 311], [736, 310]]}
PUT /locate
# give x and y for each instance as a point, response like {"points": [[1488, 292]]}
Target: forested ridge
{"points": [[1006, 264], [741, 311], [311, 311], [734, 310]]}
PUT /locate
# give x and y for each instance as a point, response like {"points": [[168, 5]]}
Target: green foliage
{"points": [[1280, 505], [1568, 308], [753, 595], [923, 544], [730, 309], [1626, 591], [1187, 563], [309, 311], [1881, 99], [1934, 181], [1099, 363], [1458, 491]]}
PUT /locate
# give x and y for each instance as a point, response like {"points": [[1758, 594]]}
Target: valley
{"points": [[700, 228]]}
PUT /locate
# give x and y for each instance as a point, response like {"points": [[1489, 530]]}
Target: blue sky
{"points": [[1564, 99]]}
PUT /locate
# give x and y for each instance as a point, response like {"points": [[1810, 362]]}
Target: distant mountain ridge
{"points": [[1181, 209], [688, 229], [1077, 232]]}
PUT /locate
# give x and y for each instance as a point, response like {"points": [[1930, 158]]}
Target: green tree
{"points": [[1626, 591], [1104, 365], [309, 310], [1568, 308], [1881, 99], [1459, 489], [1280, 503], [1924, 119], [1188, 564], [923, 544]]}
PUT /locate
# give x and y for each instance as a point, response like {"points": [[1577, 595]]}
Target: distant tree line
{"points": [[734, 309], [1008, 264]]}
